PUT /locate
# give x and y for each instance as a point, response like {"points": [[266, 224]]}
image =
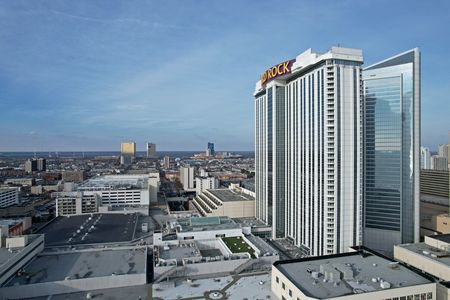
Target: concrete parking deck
{"points": [[107, 228]]}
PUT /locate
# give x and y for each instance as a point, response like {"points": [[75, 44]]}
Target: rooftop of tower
{"points": [[309, 59]]}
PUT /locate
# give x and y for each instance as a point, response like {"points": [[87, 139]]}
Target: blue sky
{"points": [[86, 75]]}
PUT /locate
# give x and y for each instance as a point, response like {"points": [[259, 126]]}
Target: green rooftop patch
{"points": [[236, 244]]}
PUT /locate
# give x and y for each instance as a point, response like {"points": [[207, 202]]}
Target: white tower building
{"points": [[425, 158], [308, 150], [187, 178]]}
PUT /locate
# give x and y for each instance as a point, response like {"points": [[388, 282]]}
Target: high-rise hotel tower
{"points": [[308, 150], [392, 151]]}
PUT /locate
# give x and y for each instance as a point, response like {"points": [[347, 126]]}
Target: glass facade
{"points": [[391, 135], [383, 136]]}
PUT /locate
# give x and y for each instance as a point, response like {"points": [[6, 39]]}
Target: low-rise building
{"points": [[431, 257], [361, 274], [22, 181], [73, 176], [15, 227], [9, 196], [441, 223], [200, 228], [208, 246], [235, 202], [93, 270], [205, 183], [50, 187], [124, 190], [434, 197]]}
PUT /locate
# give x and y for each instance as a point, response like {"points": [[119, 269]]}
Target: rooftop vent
{"points": [[385, 284], [394, 265]]}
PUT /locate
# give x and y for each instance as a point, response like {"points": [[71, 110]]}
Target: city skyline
{"points": [[83, 77]]}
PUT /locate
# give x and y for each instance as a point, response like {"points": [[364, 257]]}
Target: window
{"points": [[277, 279], [283, 286], [290, 293], [430, 296]]}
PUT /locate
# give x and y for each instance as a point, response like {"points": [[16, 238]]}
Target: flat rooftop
{"points": [[115, 182], [7, 189], [442, 237], [206, 223], [262, 246], [359, 272], [435, 254], [178, 253], [249, 184], [6, 255], [227, 195], [57, 267], [251, 222], [252, 286], [108, 228], [129, 292]]}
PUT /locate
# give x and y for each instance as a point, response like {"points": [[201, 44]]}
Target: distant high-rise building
{"points": [[31, 165], [151, 150], [308, 150], [391, 151], [166, 162], [425, 158], [439, 163], [444, 151], [41, 164], [187, 178], [210, 149], [127, 153], [128, 149]]}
